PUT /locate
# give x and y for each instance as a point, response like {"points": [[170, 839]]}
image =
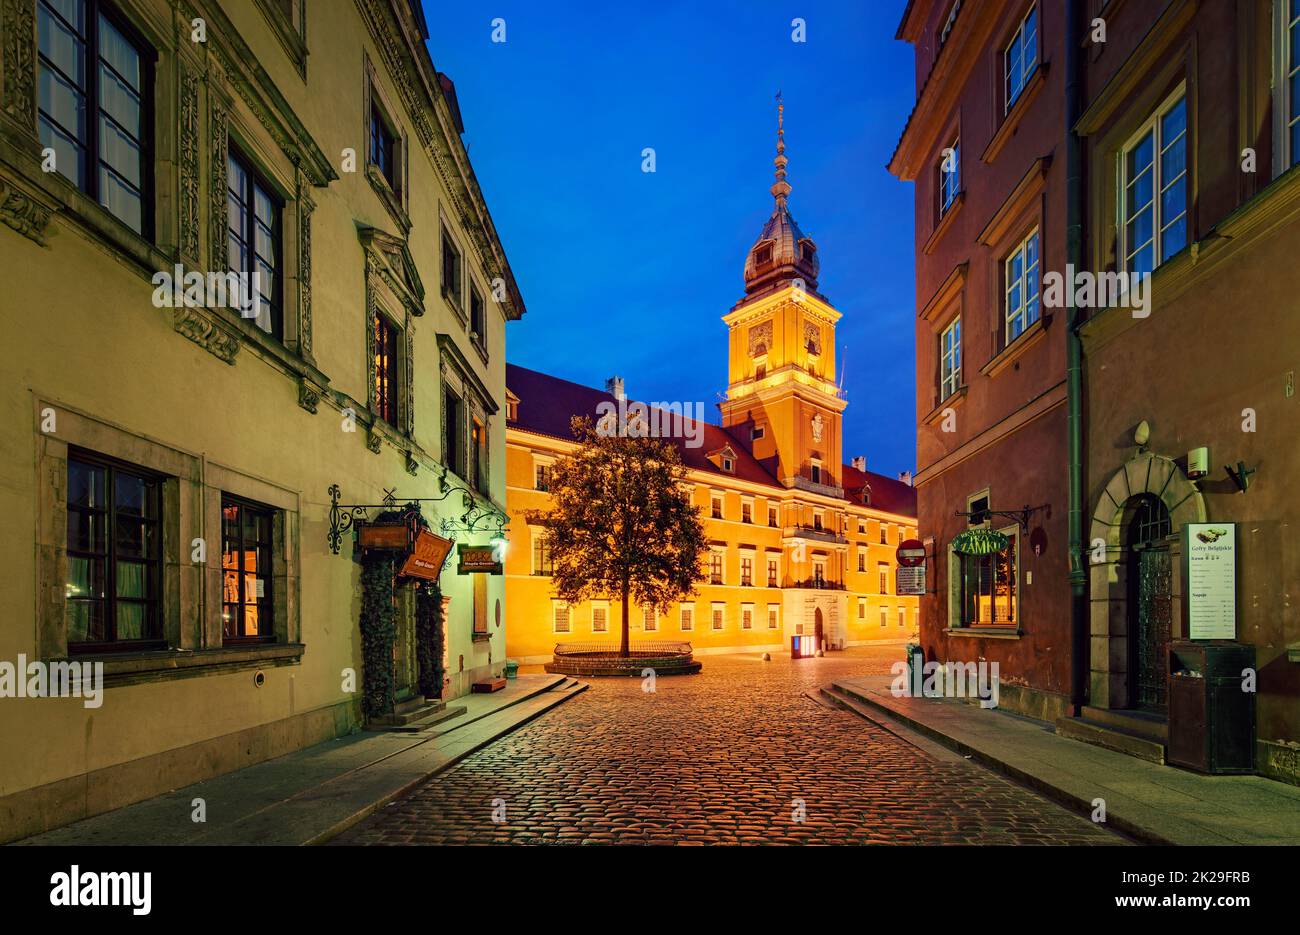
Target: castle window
{"points": [[763, 255]]}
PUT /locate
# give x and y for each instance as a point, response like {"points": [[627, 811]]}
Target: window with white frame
{"points": [[1287, 82], [747, 511], [773, 616], [541, 475], [746, 569], [950, 359], [819, 572], [747, 616], [862, 558], [949, 176], [559, 617], [686, 617], [715, 503], [1153, 188], [718, 615], [716, 557], [884, 617], [882, 571], [543, 563], [1020, 60], [772, 573], [600, 617], [1022, 300], [650, 619]]}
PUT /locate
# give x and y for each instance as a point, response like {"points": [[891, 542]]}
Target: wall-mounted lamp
{"points": [[1198, 463]]}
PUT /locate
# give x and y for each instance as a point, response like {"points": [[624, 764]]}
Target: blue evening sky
{"points": [[628, 272]]}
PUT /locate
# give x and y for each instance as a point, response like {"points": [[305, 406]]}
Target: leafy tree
{"points": [[622, 522]]}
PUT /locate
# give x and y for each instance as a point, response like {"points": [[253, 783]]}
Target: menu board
{"points": [[1210, 551], [910, 581]]}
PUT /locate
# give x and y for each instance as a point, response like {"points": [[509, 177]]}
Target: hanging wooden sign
{"points": [[478, 559], [427, 556]]}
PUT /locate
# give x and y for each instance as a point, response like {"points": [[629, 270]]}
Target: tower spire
{"points": [[780, 190]]}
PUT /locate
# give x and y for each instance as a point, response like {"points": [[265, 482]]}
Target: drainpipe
{"points": [[1079, 630]]}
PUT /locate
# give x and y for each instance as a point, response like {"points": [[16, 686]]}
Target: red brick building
{"points": [[984, 146]]}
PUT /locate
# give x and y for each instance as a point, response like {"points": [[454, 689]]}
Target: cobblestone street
{"points": [[724, 757]]}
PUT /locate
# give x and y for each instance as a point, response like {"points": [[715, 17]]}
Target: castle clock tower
{"points": [[782, 400]]}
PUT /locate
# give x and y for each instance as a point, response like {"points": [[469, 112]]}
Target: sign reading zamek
{"points": [[478, 559], [1210, 550]]}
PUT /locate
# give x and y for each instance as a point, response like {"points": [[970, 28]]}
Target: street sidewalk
{"points": [[1152, 803], [311, 795]]}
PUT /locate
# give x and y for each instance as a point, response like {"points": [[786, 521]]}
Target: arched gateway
{"points": [[1135, 553]]}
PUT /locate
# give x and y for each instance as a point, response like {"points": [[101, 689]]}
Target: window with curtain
{"points": [[114, 583], [253, 243], [247, 550], [1153, 187], [95, 87], [386, 369], [1022, 281], [949, 177]]}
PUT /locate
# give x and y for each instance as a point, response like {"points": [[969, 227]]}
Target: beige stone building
{"points": [[167, 466]]}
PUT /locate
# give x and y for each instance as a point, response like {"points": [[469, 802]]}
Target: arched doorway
{"points": [[1149, 574], [819, 628]]}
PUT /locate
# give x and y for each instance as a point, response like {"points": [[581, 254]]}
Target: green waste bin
{"points": [[915, 665]]}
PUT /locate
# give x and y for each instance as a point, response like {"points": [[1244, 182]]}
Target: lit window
{"points": [[715, 567], [771, 573], [718, 616], [543, 561], [599, 618], [560, 617], [746, 572], [747, 616], [246, 549], [95, 87], [988, 587], [950, 359], [687, 617], [542, 477], [650, 620], [1154, 184], [862, 559], [1021, 57], [882, 571], [1022, 304], [385, 341]]}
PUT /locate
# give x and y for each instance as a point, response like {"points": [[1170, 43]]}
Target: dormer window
{"points": [[807, 250], [763, 254], [728, 465]]}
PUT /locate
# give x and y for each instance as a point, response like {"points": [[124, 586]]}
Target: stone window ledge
{"points": [[165, 665], [991, 633]]}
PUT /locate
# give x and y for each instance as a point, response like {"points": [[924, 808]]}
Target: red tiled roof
{"points": [[547, 403]]}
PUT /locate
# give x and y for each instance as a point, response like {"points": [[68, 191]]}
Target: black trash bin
{"points": [[1211, 719]]}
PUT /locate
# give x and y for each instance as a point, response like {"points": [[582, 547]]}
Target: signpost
{"points": [[910, 576], [1210, 551]]}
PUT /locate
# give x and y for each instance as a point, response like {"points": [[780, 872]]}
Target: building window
{"points": [[902, 617], [746, 511], [599, 618], [819, 572], [773, 616], [757, 432], [477, 318], [453, 431], [384, 148], [686, 620], [478, 455], [884, 617], [987, 586], [253, 243], [1020, 59], [771, 516], [949, 176], [862, 527], [818, 519], [247, 547], [1288, 83], [882, 573], [949, 22], [450, 269], [559, 617], [763, 255], [114, 581], [542, 477], [728, 465], [862, 559], [1154, 185], [718, 616], [746, 571], [950, 359], [1021, 270], [747, 616], [815, 473], [95, 107], [543, 562], [862, 608], [386, 361], [771, 573], [650, 619], [715, 566], [884, 534], [716, 504]]}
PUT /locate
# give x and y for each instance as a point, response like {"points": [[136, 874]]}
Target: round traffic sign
{"points": [[911, 553]]}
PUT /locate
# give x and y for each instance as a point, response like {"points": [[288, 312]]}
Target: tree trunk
{"points": [[623, 647]]}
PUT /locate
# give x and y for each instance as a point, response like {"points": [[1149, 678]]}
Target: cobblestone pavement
{"points": [[720, 757]]}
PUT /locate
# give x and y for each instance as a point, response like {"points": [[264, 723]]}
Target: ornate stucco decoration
{"points": [[812, 337], [23, 212], [18, 18], [189, 166], [201, 328], [760, 338]]}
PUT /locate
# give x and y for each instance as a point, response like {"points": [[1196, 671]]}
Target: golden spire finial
{"points": [[781, 190]]}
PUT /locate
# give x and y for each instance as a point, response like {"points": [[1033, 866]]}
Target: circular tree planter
{"points": [[591, 659]]}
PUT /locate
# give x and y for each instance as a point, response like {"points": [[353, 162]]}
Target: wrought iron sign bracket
{"points": [[345, 516], [1021, 517]]}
